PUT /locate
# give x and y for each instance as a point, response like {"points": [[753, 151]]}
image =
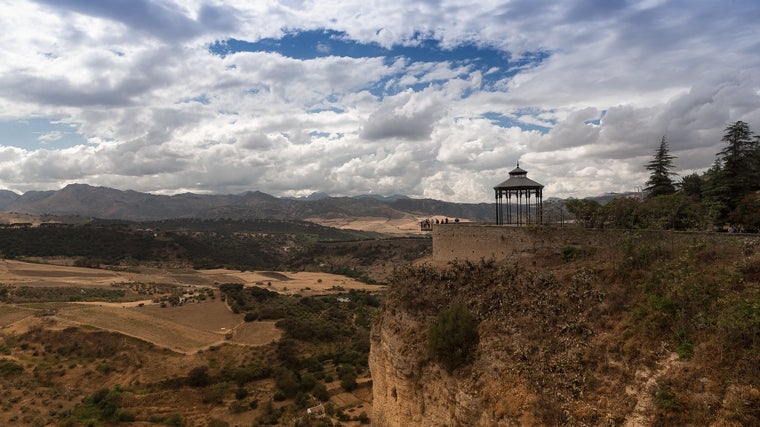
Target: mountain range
{"points": [[108, 203]]}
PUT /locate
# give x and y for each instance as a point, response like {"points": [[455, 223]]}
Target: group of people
{"points": [[733, 229], [427, 224]]}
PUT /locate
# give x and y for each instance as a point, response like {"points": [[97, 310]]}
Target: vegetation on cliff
{"points": [[668, 330], [453, 336]]}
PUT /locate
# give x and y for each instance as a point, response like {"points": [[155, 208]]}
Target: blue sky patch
{"points": [[317, 134], [597, 121], [508, 122], [39, 133], [494, 64], [321, 108], [201, 99]]}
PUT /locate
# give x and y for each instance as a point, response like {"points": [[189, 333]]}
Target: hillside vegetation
{"points": [[206, 244], [102, 202], [198, 363], [647, 331], [726, 196]]}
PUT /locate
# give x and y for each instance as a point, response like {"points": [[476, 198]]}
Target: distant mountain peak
{"points": [[317, 195], [391, 198], [107, 203]]}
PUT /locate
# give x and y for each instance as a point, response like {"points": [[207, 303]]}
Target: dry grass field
{"points": [[170, 340], [11, 314], [184, 329], [409, 225], [302, 283], [146, 326], [256, 333]]}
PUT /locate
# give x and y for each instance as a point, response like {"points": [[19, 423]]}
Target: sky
{"points": [[429, 99]]}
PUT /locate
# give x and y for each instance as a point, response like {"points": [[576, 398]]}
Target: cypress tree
{"points": [[660, 181]]}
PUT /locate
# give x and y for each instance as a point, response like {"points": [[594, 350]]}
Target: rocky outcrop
{"points": [[406, 390], [572, 347], [411, 390]]}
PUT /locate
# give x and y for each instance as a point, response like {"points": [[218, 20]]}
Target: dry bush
{"points": [[741, 405]]}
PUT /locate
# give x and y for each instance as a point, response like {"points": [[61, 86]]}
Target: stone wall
{"points": [[476, 241]]}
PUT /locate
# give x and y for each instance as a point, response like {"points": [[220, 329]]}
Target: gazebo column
{"points": [[527, 207], [519, 207], [497, 193], [540, 206]]}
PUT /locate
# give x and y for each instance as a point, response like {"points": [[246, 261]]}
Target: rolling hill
{"points": [[108, 203]]}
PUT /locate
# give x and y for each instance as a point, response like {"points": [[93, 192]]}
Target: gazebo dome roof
{"points": [[518, 180]]}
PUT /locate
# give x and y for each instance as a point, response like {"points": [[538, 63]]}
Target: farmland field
{"points": [[68, 333], [184, 328], [133, 322], [10, 314], [256, 333]]}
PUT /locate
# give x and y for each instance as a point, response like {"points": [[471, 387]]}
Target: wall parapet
{"points": [[475, 241]]}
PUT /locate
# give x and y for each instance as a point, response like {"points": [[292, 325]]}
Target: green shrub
{"points": [[684, 346], [237, 407], [175, 420], [198, 377], [571, 253], [363, 418], [307, 382], [321, 393], [348, 382], [9, 368], [286, 382], [125, 416], [664, 397], [214, 394], [452, 337], [217, 423], [241, 393]]}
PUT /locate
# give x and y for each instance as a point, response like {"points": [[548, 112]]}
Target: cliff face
{"points": [[632, 341], [409, 390]]}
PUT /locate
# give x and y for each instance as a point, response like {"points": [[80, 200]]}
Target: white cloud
{"points": [[349, 125], [50, 136]]}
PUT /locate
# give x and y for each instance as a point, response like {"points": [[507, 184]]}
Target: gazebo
{"points": [[522, 211]]}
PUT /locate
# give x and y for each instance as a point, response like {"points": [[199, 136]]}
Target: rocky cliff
{"points": [[407, 391], [604, 340]]}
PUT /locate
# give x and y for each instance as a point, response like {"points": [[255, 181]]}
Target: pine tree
{"points": [[740, 163], [660, 181]]}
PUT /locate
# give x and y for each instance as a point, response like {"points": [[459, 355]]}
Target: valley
{"points": [[124, 343], [249, 323]]}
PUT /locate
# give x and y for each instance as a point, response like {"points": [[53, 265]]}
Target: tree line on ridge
{"points": [[725, 197]]}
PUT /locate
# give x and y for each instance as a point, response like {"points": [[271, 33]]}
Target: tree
{"points": [[198, 377], [622, 212], [674, 212], [740, 163], [691, 185], [660, 181], [747, 212], [453, 337], [587, 212]]}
